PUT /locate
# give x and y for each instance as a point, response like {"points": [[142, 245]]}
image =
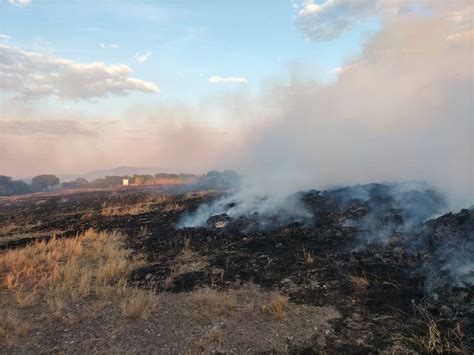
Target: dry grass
{"points": [[25, 299], [277, 306], [213, 337], [360, 283], [110, 211], [143, 231], [308, 257], [28, 236], [64, 273], [185, 262], [11, 326], [162, 203], [68, 267], [200, 194], [435, 341], [7, 228], [12, 231], [210, 304], [138, 304]]}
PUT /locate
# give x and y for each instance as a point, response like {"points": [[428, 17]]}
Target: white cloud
{"points": [[330, 19], [109, 46], [231, 79], [31, 74], [142, 58], [337, 71], [4, 37], [333, 17], [20, 3]]}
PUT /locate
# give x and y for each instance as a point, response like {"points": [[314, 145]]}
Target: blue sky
{"points": [[188, 42]]}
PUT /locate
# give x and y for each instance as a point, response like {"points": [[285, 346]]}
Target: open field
{"points": [[108, 271]]}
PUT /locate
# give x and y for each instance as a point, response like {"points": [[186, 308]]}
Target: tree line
{"points": [[49, 182]]}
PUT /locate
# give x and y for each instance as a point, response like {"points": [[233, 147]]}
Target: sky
{"points": [[177, 45], [196, 85]]}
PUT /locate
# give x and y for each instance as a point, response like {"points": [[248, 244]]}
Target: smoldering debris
{"points": [[449, 249], [404, 215], [371, 208]]}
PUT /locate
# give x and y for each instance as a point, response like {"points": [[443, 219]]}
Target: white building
{"points": [[125, 182]]}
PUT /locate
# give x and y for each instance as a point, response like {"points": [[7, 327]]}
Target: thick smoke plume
{"points": [[402, 111]]}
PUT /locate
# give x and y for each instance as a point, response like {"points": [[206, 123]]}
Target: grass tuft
{"points": [[277, 306], [210, 304], [138, 304]]}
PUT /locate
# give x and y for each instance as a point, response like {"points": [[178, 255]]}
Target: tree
{"points": [[76, 184], [18, 187], [12, 187], [4, 184], [43, 182]]}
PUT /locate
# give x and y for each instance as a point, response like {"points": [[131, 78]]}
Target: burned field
{"points": [[367, 269]]}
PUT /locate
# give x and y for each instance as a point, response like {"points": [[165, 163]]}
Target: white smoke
{"points": [[402, 111]]}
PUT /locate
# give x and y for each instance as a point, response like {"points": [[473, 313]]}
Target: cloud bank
{"points": [[31, 75]]}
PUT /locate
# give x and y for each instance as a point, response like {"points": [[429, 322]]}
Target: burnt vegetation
{"points": [[366, 269]]}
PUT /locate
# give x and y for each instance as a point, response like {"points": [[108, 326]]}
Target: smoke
{"points": [[402, 111], [260, 209], [449, 240], [390, 210]]}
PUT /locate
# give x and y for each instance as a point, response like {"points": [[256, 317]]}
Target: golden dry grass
{"points": [[138, 304], [308, 257], [277, 306], [438, 343], [213, 337], [210, 304], [11, 326], [27, 235], [435, 341], [152, 203], [67, 267], [7, 228], [200, 194], [360, 283], [60, 273], [143, 231]]}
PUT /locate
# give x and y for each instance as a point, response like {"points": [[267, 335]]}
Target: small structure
{"points": [[125, 182]]}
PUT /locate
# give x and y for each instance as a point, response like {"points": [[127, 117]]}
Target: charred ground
{"points": [[396, 282]]}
